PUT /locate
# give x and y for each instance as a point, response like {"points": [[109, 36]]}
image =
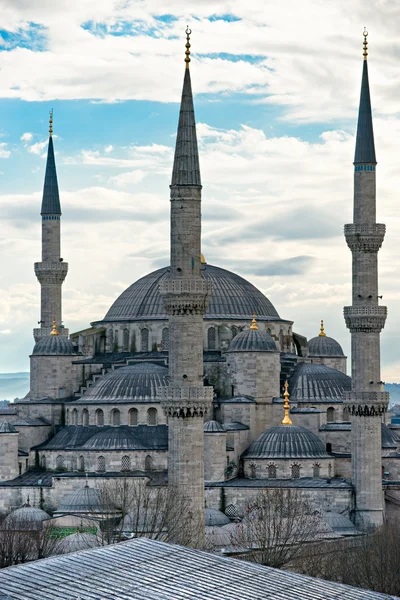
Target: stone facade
{"points": [[53, 376], [9, 455]]}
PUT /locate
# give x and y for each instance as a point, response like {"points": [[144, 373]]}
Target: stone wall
{"points": [[85, 414], [71, 460], [54, 376], [8, 456], [215, 455], [258, 468]]}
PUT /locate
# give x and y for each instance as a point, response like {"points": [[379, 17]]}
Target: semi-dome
{"points": [[124, 437], [286, 441], [318, 383], [215, 518], [232, 297], [252, 340], [27, 518], [85, 500], [134, 383], [74, 542], [213, 427], [50, 345], [390, 439]]}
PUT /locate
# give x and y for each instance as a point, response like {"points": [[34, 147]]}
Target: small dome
{"points": [[340, 523], [389, 437], [6, 427], [317, 383], [135, 382], [215, 518], [50, 345], [252, 340], [217, 538], [86, 499], [321, 345], [213, 427], [75, 542], [27, 518], [286, 441]]}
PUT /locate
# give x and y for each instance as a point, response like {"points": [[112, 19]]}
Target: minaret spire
{"points": [[52, 271], [365, 319], [185, 295]]}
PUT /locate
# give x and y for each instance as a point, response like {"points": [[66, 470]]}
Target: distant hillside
{"points": [[394, 390], [13, 385]]}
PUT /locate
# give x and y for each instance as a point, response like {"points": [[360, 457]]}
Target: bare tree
{"points": [[275, 526], [22, 541]]}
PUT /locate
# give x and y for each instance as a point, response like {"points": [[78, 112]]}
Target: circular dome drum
{"points": [[232, 297]]}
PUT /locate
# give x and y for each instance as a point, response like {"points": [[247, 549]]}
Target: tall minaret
{"points": [[52, 271], [366, 319], [185, 294]]}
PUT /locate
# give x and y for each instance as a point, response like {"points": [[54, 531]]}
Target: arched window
{"points": [[330, 414], [81, 463], [125, 342], [101, 464], [281, 340], [152, 416], [329, 447], [271, 472], [74, 463], [115, 417], [126, 463], [148, 463], [67, 417], [234, 331], [85, 417], [74, 416], [144, 340], [43, 462], [252, 470], [99, 417], [295, 471], [111, 339], [211, 339], [59, 462], [165, 339], [133, 416], [346, 414], [316, 470]]}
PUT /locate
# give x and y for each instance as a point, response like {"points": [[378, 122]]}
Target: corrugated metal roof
{"points": [[143, 569], [302, 482]]}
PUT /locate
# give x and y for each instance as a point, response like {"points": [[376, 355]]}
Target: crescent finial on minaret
{"points": [[51, 123], [187, 52], [365, 44]]}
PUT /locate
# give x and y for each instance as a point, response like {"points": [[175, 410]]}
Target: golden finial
{"points": [[51, 123], [202, 259], [365, 43], [254, 325], [286, 406], [322, 331], [187, 52], [54, 330]]}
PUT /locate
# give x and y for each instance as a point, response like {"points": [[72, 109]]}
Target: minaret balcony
{"points": [[51, 272], [186, 295], [185, 401], [366, 404], [369, 319], [364, 237]]}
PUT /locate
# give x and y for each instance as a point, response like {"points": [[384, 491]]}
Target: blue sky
{"points": [[276, 93]]}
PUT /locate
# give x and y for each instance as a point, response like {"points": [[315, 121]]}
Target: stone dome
{"points": [[57, 345], [134, 383], [321, 346], [318, 383], [232, 297], [215, 518], [213, 427], [75, 542], [86, 499], [286, 441], [252, 340], [27, 518]]}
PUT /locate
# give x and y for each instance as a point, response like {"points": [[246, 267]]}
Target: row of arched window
{"points": [[129, 342], [115, 417], [295, 470], [79, 463]]}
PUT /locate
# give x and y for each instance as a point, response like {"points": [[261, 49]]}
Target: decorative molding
{"points": [[366, 404], [185, 402], [369, 319], [364, 237], [51, 273], [185, 296]]}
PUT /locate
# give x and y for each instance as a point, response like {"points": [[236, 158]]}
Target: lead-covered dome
{"points": [[134, 383], [252, 340], [86, 499], [321, 346], [26, 518], [56, 345], [232, 297], [318, 383], [286, 441], [215, 518]]}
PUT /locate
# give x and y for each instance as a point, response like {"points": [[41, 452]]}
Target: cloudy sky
{"points": [[276, 92]]}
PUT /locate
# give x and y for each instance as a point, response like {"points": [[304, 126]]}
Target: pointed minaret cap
{"points": [[51, 199], [322, 330], [286, 406], [186, 169], [365, 146]]}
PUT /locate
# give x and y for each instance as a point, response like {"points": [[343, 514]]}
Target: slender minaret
{"points": [[185, 294], [365, 320], [52, 271]]}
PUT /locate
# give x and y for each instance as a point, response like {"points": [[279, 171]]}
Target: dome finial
{"points": [[51, 123], [322, 331], [365, 44], [202, 259], [254, 325], [54, 330], [187, 52], [286, 406]]}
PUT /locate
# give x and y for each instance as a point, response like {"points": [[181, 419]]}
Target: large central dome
{"points": [[232, 298]]}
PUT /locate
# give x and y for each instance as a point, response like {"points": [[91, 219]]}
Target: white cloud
{"points": [[26, 137], [109, 148], [4, 152], [127, 179], [37, 148]]}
